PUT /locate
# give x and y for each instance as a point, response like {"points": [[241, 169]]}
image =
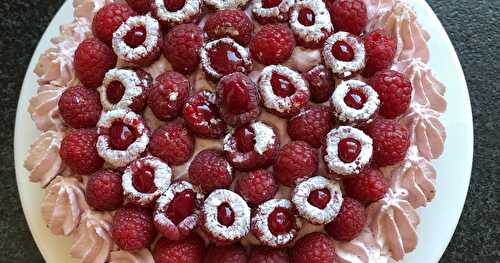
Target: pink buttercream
{"points": [[44, 109], [43, 161]]}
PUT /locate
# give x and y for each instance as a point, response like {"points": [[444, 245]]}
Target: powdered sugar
{"points": [[264, 136], [133, 88], [312, 213], [190, 9], [279, 12], [153, 36], [332, 158], [206, 61], [351, 115], [322, 26], [224, 4], [345, 69]]}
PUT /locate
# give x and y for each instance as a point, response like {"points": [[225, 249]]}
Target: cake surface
{"points": [[389, 230]]}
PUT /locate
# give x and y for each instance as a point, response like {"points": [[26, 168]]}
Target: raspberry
{"points": [[80, 107], [108, 19], [321, 83], [349, 222], [226, 254], [257, 187], [168, 95], [172, 143], [311, 125], [273, 44], [390, 141], [296, 161], [238, 99], [189, 250], [78, 151], [181, 47], [233, 23], [133, 228], [268, 255], [366, 187], [92, 60], [380, 51], [104, 190], [348, 15], [140, 6], [224, 56], [202, 116], [210, 170], [394, 91], [313, 248]]}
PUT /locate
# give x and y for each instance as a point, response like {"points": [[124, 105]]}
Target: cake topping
{"points": [[349, 222], [210, 170], [275, 223], [348, 15], [311, 125], [168, 95], [190, 249], [124, 89], [391, 141], [344, 54], [233, 23], [394, 90], [133, 228], [202, 115], [380, 49], [321, 83], [318, 199], [80, 107], [79, 152], [313, 247], [123, 136], [367, 187], [272, 44], [226, 216], [296, 161], [145, 180], [257, 186], [224, 56], [173, 143], [182, 46], [272, 11], [310, 21], [175, 12], [44, 161], [108, 19], [127, 42], [177, 210], [354, 102], [283, 90], [104, 190], [225, 4], [348, 150], [92, 60]]}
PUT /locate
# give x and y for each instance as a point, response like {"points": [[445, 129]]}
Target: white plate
{"points": [[438, 220]]}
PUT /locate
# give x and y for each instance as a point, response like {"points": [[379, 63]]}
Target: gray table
{"points": [[474, 29]]}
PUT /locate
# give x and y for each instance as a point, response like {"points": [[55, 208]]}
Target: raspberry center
{"points": [[319, 198], [280, 221], [245, 139], [143, 179], [225, 214], [281, 85], [225, 59], [236, 97], [136, 36], [121, 136], [306, 17], [349, 150], [202, 112], [174, 5], [181, 206], [342, 51], [115, 91], [355, 98], [270, 3]]}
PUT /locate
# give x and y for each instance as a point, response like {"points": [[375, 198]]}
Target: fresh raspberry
{"points": [[273, 44], [182, 46], [263, 254], [188, 250], [380, 50], [140, 6], [233, 23], [238, 99], [202, 116], [104, 190], [348, 15], [92, 60], [226, 254], [313, 248], [80, 107], [109, 18], [366, 187], [321, 83], [390, 141], [172, 143], [115, 91], [349, 222], [224, 56], [394, 91], [296, 161], [168, 95], [210, 170], [311, 125], [78, 151], [133, 228], [257, 187]]}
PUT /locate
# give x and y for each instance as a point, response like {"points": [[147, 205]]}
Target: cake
{"points": [[287, 130]]}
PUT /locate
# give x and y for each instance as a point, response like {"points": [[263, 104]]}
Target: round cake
{"points": [[237, 130]]}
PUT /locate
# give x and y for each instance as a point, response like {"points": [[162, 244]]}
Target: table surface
{"points": [[473, 28]]}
